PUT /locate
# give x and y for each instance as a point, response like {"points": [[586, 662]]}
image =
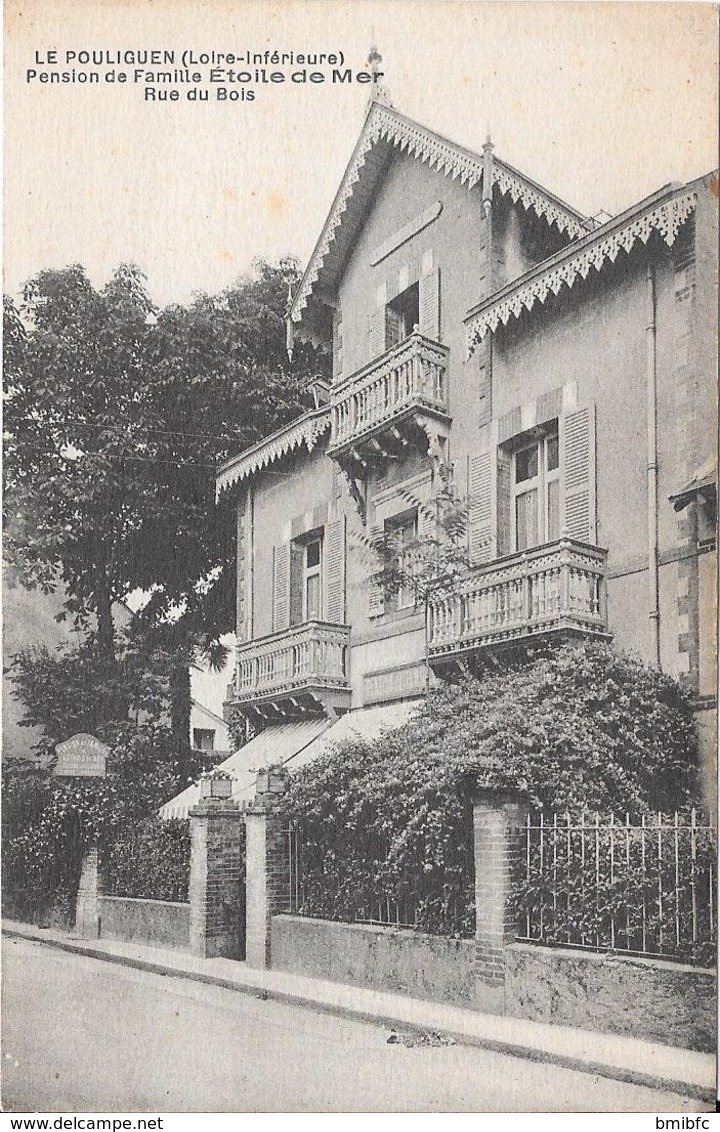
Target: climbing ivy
{"points": [[387, 824]]}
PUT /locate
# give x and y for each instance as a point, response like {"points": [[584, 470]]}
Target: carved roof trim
{"points": [[664, 212], [384, 123], [305, 430]]}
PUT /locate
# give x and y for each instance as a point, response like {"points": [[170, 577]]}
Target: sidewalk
{"points": [[625, 1059]]}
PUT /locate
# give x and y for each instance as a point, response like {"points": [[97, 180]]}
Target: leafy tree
{"points": [[116, 419], [437, 552]]}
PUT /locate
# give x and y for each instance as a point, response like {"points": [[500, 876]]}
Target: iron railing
{"points": [[645, 887], [322, 883]]}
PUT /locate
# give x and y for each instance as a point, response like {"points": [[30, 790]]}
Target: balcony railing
{"points": [[559, 586], [411, 375], [306, 658]]}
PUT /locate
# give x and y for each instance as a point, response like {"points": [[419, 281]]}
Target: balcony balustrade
{"points": [[551, 589], [408, 384], [295, 671]]}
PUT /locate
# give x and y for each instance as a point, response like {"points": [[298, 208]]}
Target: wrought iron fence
{"points": [[645, 887], [323, 883]]}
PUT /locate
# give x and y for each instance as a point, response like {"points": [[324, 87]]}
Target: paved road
{"points": [[81, 1035]]}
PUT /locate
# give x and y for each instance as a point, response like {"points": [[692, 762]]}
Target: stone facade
{"points": [[161, 923], [642, 998], [393, 960]]}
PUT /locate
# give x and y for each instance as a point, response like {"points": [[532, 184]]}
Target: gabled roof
{"points": [[385, 131], [305, 430], [664, 211]]}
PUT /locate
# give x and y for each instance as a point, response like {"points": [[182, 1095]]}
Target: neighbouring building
{"points": [[559, 370]]}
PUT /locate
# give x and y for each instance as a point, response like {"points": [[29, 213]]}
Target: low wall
{"points": [[159, 922], [384, 958], [650, 999]]}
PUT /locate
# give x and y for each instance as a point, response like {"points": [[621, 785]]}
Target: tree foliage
{"points": [[48, 823], [116, 419], [149, 860], [437, 552]]}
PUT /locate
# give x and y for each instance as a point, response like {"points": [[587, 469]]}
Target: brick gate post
{"points": [[87, 905], [267, 858], [215, 876], [498, 819]]}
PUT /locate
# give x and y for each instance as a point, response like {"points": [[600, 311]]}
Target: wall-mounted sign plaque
{"points": [[83, 756]]}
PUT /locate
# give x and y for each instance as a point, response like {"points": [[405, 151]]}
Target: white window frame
{"points": [[406, 521], [540, 483], [312, 572]]}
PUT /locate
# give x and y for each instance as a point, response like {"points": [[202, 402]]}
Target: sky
{"points": [[601, 102]]}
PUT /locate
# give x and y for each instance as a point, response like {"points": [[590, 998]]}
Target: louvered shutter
{"points": [[427, 533], [481, 484], [297, 553], [245, 568], [334, 559], [337, 343], [376, 333], [426, 520], [482, 360], [504, 504], [241, 567], [376, 597], [281, 587], [577, 445], [430, 305]]}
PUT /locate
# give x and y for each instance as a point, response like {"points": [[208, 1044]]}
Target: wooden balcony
{"points": [[296, 672], [400, 398], [549, 591]]}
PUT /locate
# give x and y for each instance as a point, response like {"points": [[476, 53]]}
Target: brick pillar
{"points": [[267, 869], [87, 906], [216, 878], [498, 819]]}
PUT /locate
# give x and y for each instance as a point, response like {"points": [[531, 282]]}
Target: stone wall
{"points": [[158, 922], [649, 999], [386, 959]]}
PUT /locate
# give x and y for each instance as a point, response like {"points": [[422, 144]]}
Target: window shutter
{"points": [[376, 597], [334, 557], [337, 343], [577, 442], [504, 504], [296, 583], [281, 587], [483, 362], [430, 305], [241, 581], [245, 575], [480, 511], [376, 333], [426, 516]]}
